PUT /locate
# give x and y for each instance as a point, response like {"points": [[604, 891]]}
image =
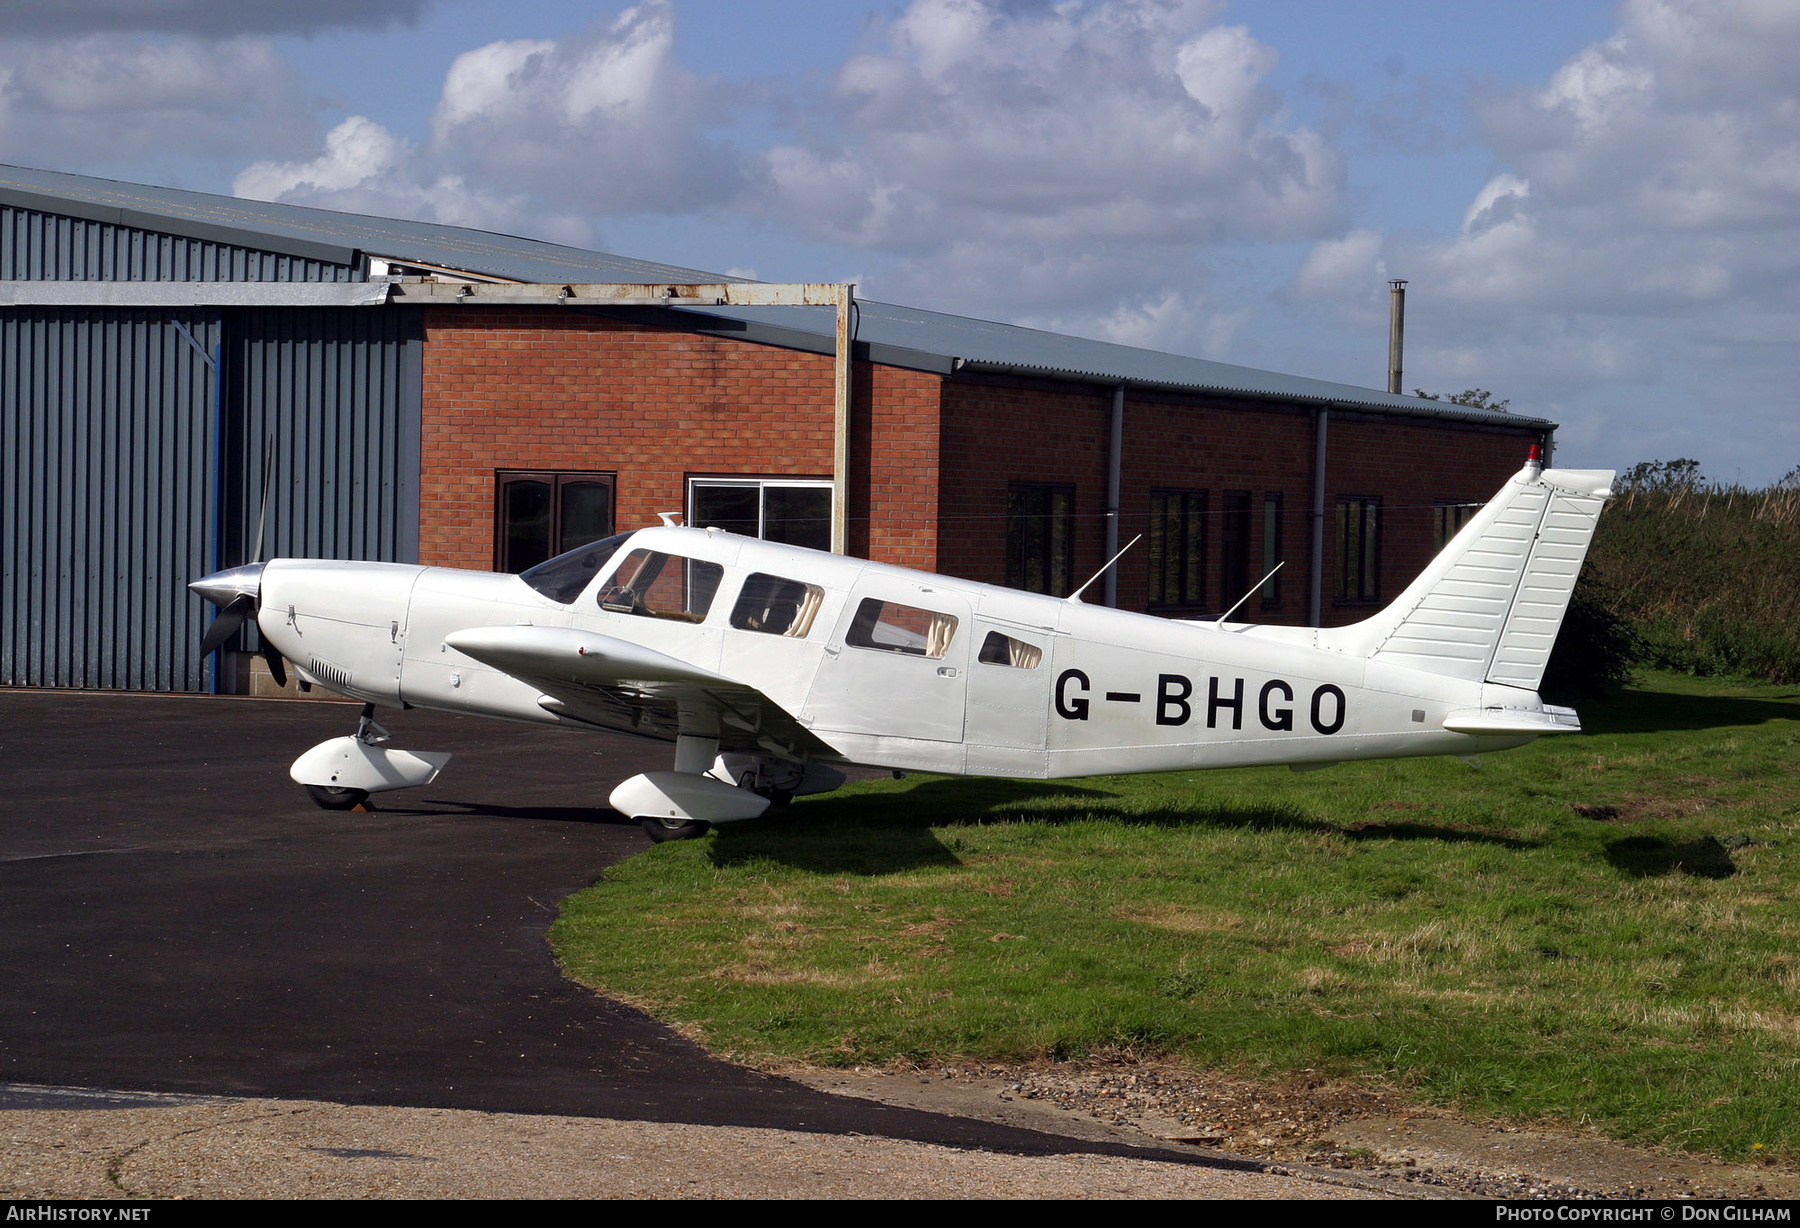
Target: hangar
{"points": [[189, 380]]}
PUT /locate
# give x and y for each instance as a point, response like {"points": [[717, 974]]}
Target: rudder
{"points": [[1488, 607]]}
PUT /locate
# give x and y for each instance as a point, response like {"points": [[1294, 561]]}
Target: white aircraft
{"points": [[770, 666]]}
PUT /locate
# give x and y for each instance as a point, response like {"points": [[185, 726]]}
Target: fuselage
{"points": [[889, 667]]}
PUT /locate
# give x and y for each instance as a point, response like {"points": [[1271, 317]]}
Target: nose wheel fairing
{"points": [[359, 764], [350, 763]]}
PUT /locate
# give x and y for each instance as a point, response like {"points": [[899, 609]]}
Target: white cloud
{"points": [[356, 151], [1070, 166], [608, 120], [536, 135], [1645, 229], [1049, 125], [1346, 268], [1167, 320], [102, 96], [364, 168]]}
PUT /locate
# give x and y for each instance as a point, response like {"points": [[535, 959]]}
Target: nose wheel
{"points": [[661, 831], [331, 797]]}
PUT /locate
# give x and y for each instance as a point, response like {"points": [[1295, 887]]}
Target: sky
{"points": [[1596, 206]]}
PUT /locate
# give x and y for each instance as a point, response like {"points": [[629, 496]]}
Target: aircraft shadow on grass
{"points": [[886, 833], [1660, 711], [1653, 857]]}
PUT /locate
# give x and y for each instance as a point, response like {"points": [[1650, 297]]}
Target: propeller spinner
{"points": [[237, 592]]}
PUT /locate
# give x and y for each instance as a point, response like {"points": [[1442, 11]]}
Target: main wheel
{"points": [[331, 797], [663, 830]]}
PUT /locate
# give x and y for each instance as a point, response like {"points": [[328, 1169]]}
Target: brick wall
{"points": [[526, 389], [997, 431], [931, 458], [1002, 429], [895, 467], [1410, 465]]}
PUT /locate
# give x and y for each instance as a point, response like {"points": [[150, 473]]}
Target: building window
{"points": [[1234, 548], [1271, 550], [541, 515], [1040, 538], [792, 511], [1448, 516], [1358, 548], [1177, 540]]}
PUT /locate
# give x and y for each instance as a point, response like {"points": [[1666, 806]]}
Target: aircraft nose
{"points": [[223, 587]]}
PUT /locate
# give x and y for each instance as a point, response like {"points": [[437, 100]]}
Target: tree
{"points": [[1474, 398], [1664, 477]]}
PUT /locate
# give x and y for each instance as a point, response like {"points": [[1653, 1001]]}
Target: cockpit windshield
{"points": [[563, 578]]}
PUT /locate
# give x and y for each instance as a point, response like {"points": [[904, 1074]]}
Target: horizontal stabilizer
{"points": [[1513, 722]]}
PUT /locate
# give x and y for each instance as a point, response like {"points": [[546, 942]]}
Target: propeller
{"points": [[237, 591]]}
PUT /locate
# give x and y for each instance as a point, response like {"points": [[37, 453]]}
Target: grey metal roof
{"points": [[904, 336], [934, 340], [324, 234]]}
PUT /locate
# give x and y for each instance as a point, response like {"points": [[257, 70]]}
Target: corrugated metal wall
{"points": [[337, 391], [127, 468], [38, 246], [107, 426]]}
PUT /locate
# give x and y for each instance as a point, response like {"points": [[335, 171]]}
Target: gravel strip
{"points": [[207, 1148]]}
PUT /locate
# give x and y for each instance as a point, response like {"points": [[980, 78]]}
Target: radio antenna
{"points": [[1076, 595], [1220, 621]]}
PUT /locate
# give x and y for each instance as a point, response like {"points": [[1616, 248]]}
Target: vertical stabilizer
{"points": [[1488, 607]]}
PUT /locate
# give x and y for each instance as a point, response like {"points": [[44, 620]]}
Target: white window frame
{"points": [[759, 485]]}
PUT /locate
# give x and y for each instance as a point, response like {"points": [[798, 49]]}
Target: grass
{"points": [[1599, 929]]}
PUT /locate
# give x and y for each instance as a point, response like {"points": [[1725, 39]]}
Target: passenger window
{"points": [[999, 649], [662, 586], [891, 627], [776, 606]]}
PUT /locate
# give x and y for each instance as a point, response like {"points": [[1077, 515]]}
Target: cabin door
{"points": [[897, 663]]}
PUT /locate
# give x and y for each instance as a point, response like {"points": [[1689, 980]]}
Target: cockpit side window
{"points": [[563, 578], [657, 585], [1000, 649], [776, 606], [892, 627]]}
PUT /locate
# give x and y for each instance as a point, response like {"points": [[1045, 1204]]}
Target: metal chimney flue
{"points": [[1396, 332]]}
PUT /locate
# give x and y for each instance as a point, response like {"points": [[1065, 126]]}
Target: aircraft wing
{"points": [[616, 684]]}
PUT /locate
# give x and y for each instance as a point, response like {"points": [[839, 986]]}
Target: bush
{"points": [[1705, 578], [1596, 647]]}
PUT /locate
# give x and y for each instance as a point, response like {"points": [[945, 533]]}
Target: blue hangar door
{"points": [[134, 446]]}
